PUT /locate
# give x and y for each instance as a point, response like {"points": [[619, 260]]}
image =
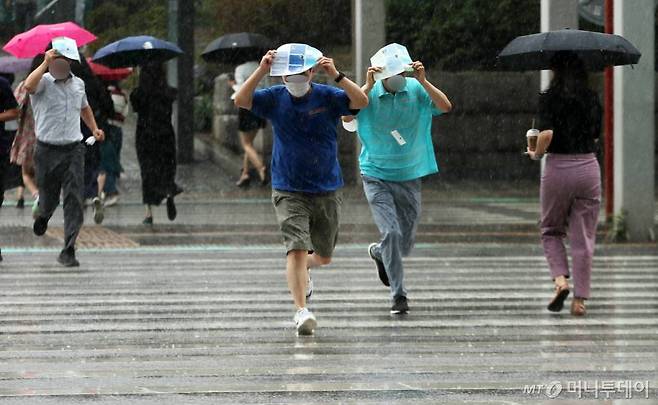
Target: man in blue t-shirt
{"points": [[396, 136], [8, 112], [305, 169]]}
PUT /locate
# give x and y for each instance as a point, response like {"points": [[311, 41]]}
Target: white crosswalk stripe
{"points": [[149, 325]]}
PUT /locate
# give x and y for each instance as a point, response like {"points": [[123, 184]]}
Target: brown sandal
{"points": [[578, 307], [561, 294]]}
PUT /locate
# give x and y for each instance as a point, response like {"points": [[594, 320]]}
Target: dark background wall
{"points": [[483, 138]]}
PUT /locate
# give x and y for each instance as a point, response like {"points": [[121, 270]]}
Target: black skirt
{"points": [[248, 121]]}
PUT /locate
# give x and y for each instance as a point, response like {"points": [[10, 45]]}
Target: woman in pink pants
{"points": [[570, 194]]}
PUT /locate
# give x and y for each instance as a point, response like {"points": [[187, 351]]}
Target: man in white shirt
{"points": [[59, 101]]}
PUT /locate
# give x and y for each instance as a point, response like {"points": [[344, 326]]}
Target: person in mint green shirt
{"points": [[396, 136]]}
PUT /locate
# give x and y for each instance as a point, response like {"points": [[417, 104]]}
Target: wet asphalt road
{"points": [[212, 324]]}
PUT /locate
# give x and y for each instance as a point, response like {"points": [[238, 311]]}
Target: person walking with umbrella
{"points": [[155, 140], [305, 171], [59, 101], [246, 47], [570, 191], [248, 126], [152, 101], [570, 124]]}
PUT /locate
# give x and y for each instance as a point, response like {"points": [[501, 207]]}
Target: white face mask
{"points": [[396, 83], [298, 85], [59, 69]]}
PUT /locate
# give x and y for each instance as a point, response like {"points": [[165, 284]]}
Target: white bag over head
{"points": [[393, 59], [292, 59], [66, 47]]}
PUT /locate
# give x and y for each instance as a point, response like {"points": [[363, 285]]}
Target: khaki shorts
{"points": [[308, 221]]}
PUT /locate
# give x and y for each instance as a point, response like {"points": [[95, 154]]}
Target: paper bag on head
{"points": [[393, 59], [293, 59], [66, 47]]}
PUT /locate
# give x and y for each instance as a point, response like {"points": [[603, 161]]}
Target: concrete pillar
{"points": [[556, 15], [368, 33], [181, 70], [80, 12], [172, 65], [368, 36], [185, 130], [634, 134]]}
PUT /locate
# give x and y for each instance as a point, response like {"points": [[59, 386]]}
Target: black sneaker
{"points": [[20, 204], [400, 306], [0, 255], [380, 265], [171, 208], [67, 258], [40, 226]]}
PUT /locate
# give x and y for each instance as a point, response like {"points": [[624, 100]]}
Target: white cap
{"points": [[293, 59], [393, 59], [66, 47]]}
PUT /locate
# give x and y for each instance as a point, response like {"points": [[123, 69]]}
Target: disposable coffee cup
{"points": [[532, 135]]}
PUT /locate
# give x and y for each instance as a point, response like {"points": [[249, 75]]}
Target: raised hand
{"points": [[370, 76], [266, 61], [329, 67]]}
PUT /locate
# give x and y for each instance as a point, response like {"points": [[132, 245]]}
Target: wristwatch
{"points": [[340, 77]]}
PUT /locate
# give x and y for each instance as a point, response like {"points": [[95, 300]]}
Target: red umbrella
{"points": [[35, 41], [109, 74]]}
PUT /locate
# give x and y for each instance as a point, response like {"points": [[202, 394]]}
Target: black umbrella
{"points": [[236, 48], [135, 51], [595, 49]]}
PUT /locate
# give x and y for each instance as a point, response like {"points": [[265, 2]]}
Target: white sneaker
{"points": [[309, 285], [99, 211], [35, 208], [305, 322], [112, 200]]}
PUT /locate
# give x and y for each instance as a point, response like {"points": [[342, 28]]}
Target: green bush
{"points": [[459, 34]]}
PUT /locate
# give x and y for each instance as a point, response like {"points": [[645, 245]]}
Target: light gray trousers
{"points": [[395, 208]]}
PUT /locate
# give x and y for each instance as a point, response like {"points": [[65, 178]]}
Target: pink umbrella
{"points": [[35, 41]]}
